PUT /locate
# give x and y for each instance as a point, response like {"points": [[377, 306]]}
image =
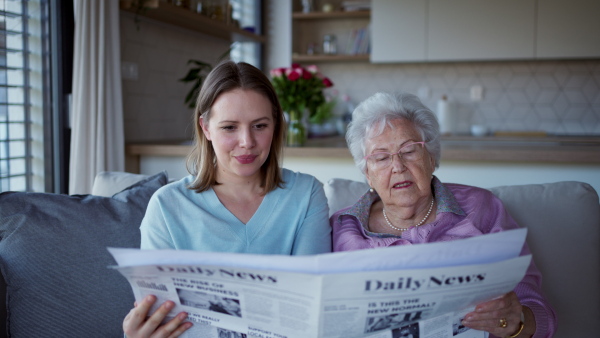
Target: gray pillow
{"points": [[54, 260], [343, 193]]}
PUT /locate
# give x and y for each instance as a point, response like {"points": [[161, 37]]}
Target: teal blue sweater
{"points": [[291, 221]]}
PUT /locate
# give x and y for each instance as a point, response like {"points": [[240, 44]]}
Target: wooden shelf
{"points": [[304, 29], [178, 16], [329, 58], [331, 15]]}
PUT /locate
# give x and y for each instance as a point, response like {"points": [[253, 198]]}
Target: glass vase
{"points": [[296, 130]]}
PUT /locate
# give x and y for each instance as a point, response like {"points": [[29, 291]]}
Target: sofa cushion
{"points": [[341, 193], [108, 183], [54, 260]]}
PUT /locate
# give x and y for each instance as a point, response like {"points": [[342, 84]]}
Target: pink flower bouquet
{"points": [[300, 88]]}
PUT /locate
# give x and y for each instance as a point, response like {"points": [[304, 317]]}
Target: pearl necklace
{"points": [[418, 224]]}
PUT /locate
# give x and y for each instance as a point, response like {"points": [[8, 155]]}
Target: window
{"points": [[22, 95], [248, 14]]}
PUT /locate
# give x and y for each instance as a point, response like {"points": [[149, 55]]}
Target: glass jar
{"points": [[296, 130], [329, 44]]}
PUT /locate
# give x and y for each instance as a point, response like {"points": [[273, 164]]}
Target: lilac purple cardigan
{"points": [[462, 212]]}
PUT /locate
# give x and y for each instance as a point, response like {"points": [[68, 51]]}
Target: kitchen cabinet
{"points": [[441, 30], [568, 29], [181, 17], [399, 30], [308, 30], [480, 30]]}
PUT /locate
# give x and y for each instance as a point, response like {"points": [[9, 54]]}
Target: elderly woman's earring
{"points": [[371, 190]]}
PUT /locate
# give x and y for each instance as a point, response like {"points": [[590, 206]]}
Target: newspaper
{"points": [[404, 291]]}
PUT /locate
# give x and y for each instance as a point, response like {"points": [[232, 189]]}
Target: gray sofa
{"points": [[54, 262]]}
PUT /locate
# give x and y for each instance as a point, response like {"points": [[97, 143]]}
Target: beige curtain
{"points": [[97, 139]]}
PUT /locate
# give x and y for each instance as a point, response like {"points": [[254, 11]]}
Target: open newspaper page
{"points": [[413, 303], [408, 291], [233, 302]]}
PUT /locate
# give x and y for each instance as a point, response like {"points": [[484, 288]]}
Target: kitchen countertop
{"points": [[549, 149]]}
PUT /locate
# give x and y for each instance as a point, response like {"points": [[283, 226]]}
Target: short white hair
{"points": [[372, 115]]}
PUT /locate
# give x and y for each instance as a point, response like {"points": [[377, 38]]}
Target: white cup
{"points": [[479, 130]]}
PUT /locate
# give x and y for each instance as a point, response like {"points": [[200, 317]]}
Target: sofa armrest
{"points": [[563, 233]]}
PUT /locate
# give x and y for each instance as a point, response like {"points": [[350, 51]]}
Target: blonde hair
{"points": [[225, 77]]}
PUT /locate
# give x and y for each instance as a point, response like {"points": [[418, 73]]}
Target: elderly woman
{"points": [[395, 141]]}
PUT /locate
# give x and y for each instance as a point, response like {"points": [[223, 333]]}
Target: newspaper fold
{"points": [[404, 291]]}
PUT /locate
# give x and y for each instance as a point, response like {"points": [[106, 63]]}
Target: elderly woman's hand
{"points": [[136, 325], [501, 317]]}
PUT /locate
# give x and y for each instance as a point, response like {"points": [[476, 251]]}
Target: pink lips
{"points": [[402, 185], [246, 159]]}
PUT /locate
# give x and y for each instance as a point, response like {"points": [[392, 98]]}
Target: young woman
{"points": [[237, 198]]}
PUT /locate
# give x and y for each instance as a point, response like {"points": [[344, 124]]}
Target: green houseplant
{"points": [[197, 74]]}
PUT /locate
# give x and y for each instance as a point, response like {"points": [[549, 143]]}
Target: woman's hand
{"points": [[501, 317], [136, 325]]}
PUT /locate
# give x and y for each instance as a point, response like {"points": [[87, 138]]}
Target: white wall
{"points": [[173, 165], [324, 169]]}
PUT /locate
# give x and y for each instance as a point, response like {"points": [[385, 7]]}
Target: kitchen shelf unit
{"points": [[318, 24], [181, 17]]}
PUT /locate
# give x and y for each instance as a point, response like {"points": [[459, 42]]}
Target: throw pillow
{"points": [[54, 260], [108, 183], [343, 193]]}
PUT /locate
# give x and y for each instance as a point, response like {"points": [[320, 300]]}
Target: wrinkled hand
{"points": [[487, 316], [136, 325]]}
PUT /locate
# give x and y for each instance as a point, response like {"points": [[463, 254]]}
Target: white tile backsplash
{"points": [[559, 97]]}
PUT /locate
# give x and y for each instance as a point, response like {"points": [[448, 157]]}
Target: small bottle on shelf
{"points": [[446, 116], [346, 117], [307, 6], [329, 44]]}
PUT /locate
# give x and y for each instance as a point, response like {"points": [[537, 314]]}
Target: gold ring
{"points": [[503, 323]]}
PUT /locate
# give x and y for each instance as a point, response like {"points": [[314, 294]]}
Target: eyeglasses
{"points": [[408, 153]]}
